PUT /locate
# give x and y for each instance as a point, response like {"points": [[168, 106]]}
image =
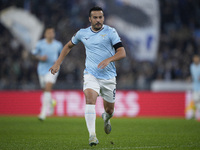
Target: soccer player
{"points": [[46, 52], [195, 73], [103, 47]]}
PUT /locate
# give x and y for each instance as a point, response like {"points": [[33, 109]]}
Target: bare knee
{"points": [[109, 107], [90, 101], [48, 87], [109, 110], [90, 96]]}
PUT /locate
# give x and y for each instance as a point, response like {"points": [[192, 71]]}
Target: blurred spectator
{"points": [[179, 40]]}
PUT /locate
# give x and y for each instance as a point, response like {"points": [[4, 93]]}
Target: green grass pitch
{"points": [[28, 133]]}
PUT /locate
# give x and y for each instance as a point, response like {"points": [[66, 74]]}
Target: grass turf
{"points": [[27, 133]]}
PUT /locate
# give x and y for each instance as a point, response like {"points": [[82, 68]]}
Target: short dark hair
{"points": [[96, 8]]}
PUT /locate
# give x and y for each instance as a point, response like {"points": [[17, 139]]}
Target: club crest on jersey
{"points": [[103, 35]]}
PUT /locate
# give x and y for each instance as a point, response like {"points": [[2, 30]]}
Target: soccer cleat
{"points": [[52, 106], [41, 119], [93, 140], [107, 124]]}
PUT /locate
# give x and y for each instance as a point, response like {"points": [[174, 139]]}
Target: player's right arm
{"points": [[39, 58], [66, 49]]}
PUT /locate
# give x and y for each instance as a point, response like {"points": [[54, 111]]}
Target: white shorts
{"points": [[196, 96], [49, 77], [105, 88]]}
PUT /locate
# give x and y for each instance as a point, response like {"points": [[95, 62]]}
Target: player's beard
{"points": [[97, 26]]}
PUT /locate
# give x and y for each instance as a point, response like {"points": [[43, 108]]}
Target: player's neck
{"points": [[49, 40], [96, 30]]}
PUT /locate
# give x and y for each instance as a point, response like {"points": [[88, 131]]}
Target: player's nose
{"points": [[98, 19]]}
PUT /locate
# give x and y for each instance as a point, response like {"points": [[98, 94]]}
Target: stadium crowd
{"points": [[179, 41]]}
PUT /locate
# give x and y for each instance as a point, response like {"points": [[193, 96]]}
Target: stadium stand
{"points": [[179, 40]]}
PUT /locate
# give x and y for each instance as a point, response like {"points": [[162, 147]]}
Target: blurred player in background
{"points": [[103, 47], [46, 52], [195, 73]]}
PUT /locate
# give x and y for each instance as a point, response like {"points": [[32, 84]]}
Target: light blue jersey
{"points": [[51, 50], [195, 72], [99, 46]]}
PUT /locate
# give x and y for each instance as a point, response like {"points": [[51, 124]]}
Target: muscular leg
{"points": [[48, 87], [90, 113], [109, 111], [90, 96], [109, 107]]}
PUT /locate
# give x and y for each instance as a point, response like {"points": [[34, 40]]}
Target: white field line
{"points": [[142, 147]]}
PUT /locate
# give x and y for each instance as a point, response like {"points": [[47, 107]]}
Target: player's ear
{"points": [[90, 19]]}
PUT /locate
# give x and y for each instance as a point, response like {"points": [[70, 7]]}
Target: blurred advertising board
{"points": [[72, 103]]}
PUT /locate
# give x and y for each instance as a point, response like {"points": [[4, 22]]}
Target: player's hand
{"points": [[43, 58], [103, 64], [54, 69]]}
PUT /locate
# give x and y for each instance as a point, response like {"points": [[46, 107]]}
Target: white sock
{"points": [[45, 104], [108, 116], [90, 118]]}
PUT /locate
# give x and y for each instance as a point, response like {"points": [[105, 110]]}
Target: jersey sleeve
{"points": [[195, 75], [114, 37], [76, 38], [36, 50]]}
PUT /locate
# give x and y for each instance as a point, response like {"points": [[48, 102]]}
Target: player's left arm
{"points": [[120, 53]]}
